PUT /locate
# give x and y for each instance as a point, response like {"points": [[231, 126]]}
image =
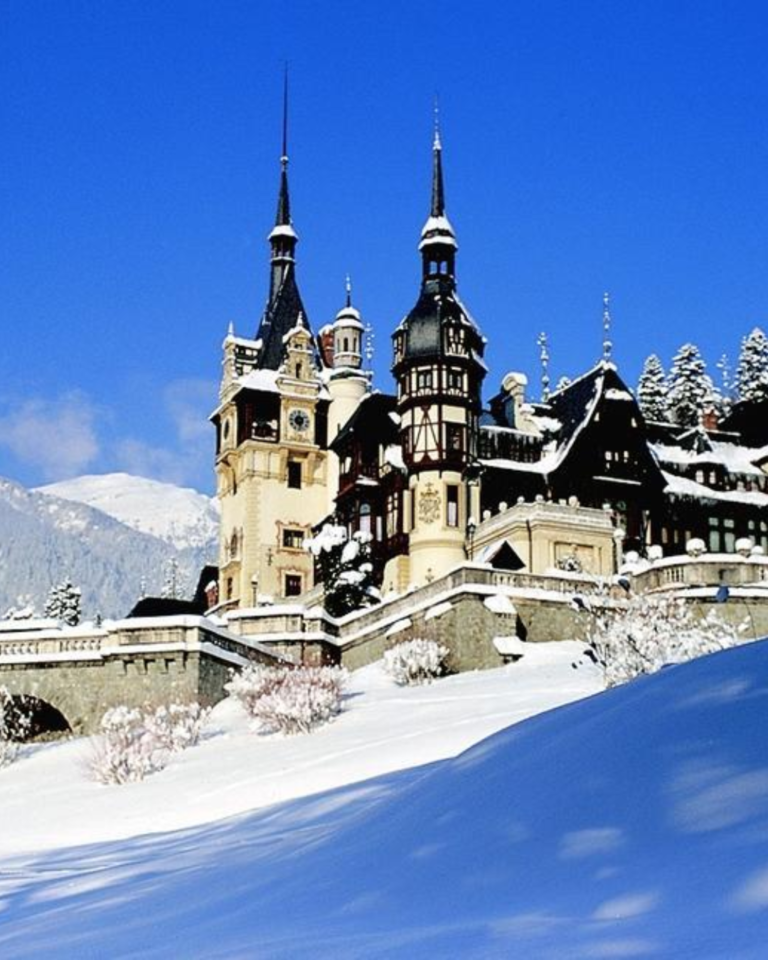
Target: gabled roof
{"points": [[372, 422]]}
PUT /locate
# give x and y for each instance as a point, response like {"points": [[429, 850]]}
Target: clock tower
{"points": [[271, 437]]}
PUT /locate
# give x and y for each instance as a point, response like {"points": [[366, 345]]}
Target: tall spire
{"points": [[283, 218], [438, 241], [438, 190], [282, 238]]}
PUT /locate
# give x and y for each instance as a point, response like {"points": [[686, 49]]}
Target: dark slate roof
{"points": [[749, 418], [281, 316], [438, 304], [371, 422], [166, 607], [573, 405]]}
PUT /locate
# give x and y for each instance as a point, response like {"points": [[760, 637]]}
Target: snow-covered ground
{"points": [[51, 801], [179, 515], [630, 824]]}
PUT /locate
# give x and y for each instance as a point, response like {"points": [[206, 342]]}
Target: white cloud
{"points": [[58, 437], [589, 843], [629, 905], [188, 459], [753, 893]]}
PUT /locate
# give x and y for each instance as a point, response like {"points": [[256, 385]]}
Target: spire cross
{"points": [[348, 288], [436, 145], [607, 344]]}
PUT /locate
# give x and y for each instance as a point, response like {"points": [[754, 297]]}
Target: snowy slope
{"points": [[179, 515], [383, 728], [631, 824]]}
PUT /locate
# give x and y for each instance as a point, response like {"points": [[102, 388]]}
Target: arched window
{"points": [[365, 518]]}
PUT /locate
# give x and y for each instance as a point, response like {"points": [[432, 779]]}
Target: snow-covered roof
{"points": [[349, 317], [264, 380], [682, 486], [734, 457], [283, 230], [438, 230]]}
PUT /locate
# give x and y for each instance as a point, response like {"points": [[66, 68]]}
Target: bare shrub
{"points": [[135, 743], [289, 701], [648, 633], [416, 661]]}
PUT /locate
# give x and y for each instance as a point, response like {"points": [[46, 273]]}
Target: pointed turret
{"points": [[348, 334], [438, 240], [284, 308]]}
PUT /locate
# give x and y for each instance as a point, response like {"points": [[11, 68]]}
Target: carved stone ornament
{"points": [[429, 505]]}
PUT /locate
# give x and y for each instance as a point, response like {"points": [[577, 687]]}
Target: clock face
{"points": [[299, 420]]}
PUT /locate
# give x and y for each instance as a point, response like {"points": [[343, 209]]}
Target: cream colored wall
{"points": [[346, 395], [260, 509], [435, 548], [544, 533]]}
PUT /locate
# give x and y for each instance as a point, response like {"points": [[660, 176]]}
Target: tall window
{"points": [[454, 437], [365, 518], [452, 505], [292, 584], [294, 474]]}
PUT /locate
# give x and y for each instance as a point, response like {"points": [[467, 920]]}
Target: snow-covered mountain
{"points": [[631, 824], [44, 538], [179, 515]]}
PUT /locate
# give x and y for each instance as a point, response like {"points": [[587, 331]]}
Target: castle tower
{"points": [[272, 436], [348, 383], [439, 370]]}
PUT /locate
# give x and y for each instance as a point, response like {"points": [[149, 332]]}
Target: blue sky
{"points": [[588, 147]]}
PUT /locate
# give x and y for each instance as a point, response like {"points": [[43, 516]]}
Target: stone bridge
{"points": [[75, 674]]}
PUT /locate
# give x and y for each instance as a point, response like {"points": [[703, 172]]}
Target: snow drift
{"points": [[631, 824]]}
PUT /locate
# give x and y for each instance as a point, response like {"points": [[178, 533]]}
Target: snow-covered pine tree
{"points": [[752, 369], [346, 568], [652, 390], [63, 603], [170, 590], [689, 387]]}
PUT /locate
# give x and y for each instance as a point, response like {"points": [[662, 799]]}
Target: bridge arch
{"points": [[28, 717]]}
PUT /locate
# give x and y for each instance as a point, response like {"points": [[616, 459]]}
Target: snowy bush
{"points": [[135, 743], [650, 632], [345, 568], [14, 725], [287, 700], [415, 661]]}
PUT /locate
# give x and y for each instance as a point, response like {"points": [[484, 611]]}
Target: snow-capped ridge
{"points": [[178, 515]]}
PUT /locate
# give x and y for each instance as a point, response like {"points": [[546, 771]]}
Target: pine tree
{"points": [[170, 590], [752, 370], [689, 387], [346, 569], [63, 603], [652, 390]]}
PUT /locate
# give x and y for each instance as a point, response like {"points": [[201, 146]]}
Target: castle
{"points": [[487, 522], [434, 476]]}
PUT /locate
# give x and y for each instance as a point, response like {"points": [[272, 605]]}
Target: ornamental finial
{"points": [[607, 343]]}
